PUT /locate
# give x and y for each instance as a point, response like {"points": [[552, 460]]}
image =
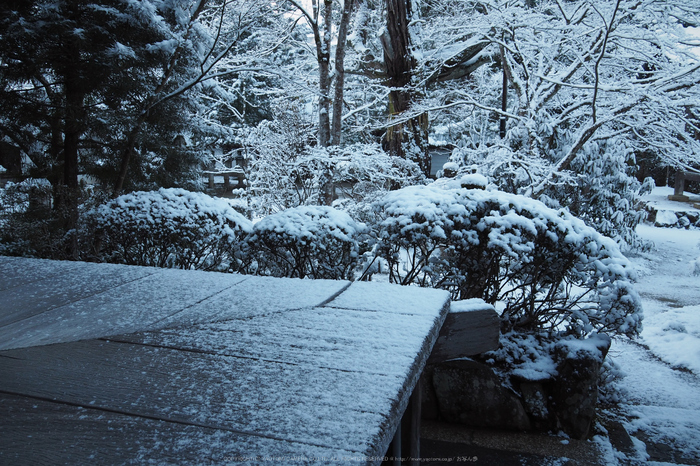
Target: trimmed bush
{"points": [[169, 228], [544, 268], [305, 242]]}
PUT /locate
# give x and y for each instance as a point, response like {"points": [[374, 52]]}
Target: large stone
{"points": [[665, 218], [535, 400], [575, 391], [469, 393]]}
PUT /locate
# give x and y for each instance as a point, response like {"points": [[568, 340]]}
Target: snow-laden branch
{"points": [[584, 135], [380, 98], [312, 19]]}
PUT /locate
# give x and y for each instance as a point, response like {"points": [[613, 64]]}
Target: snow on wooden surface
{"points": [[137, 440], [29, 299], [169, 366], [256, 296], [373, 296], [342, 339]]}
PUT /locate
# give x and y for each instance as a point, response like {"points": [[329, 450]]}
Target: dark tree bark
{"points": [[324, 64], [73, 131], [504, 95], [400, 64], [66, 197], [127, 155], [340, 72]]}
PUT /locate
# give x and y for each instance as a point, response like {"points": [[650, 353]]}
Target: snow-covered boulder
{"points": [[450, 169], [529, 382], [666, 213], [665, 218], [468, 181]]}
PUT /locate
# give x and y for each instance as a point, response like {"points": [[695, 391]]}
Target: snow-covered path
{"points": [[662, 368], [662, 411], [666, 273], [671, 296]]}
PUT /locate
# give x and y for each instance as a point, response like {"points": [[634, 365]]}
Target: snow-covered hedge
{"points": [[545, 268], [305, 242], [169, 228]]}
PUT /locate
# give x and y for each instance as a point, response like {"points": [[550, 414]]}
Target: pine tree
{"points": [[80, 80]]}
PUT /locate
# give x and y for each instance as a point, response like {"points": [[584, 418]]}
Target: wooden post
{"points": [[680, 184], [415, 407], [396, 446]]}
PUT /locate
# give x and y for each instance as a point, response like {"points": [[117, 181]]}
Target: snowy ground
{"points": [[658, 199], [661, 408]]}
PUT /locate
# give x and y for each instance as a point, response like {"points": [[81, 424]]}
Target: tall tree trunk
{"points": [[128, 153], [504, 95], [67, 204], [324, 64], [400, 66], [336, 134], [72, 132]]}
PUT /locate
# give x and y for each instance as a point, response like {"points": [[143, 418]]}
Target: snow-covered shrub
{"points": [[305, 242], [528, 356], [600, 188], [30, 194], [169, 228], [604, 192], [545, 268]]}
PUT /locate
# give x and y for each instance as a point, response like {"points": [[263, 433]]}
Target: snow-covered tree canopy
{"points": [[562, 93], [288, 170], [576, 72]]}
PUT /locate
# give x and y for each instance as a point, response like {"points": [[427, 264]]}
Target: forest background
{"points": [[571, 102], [556, 115]]}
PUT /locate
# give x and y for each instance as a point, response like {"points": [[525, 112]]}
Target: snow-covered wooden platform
{"points": [[110, 364]]}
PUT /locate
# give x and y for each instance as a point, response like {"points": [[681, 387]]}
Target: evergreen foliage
{"points": [[28, 227], [81, 68]]}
